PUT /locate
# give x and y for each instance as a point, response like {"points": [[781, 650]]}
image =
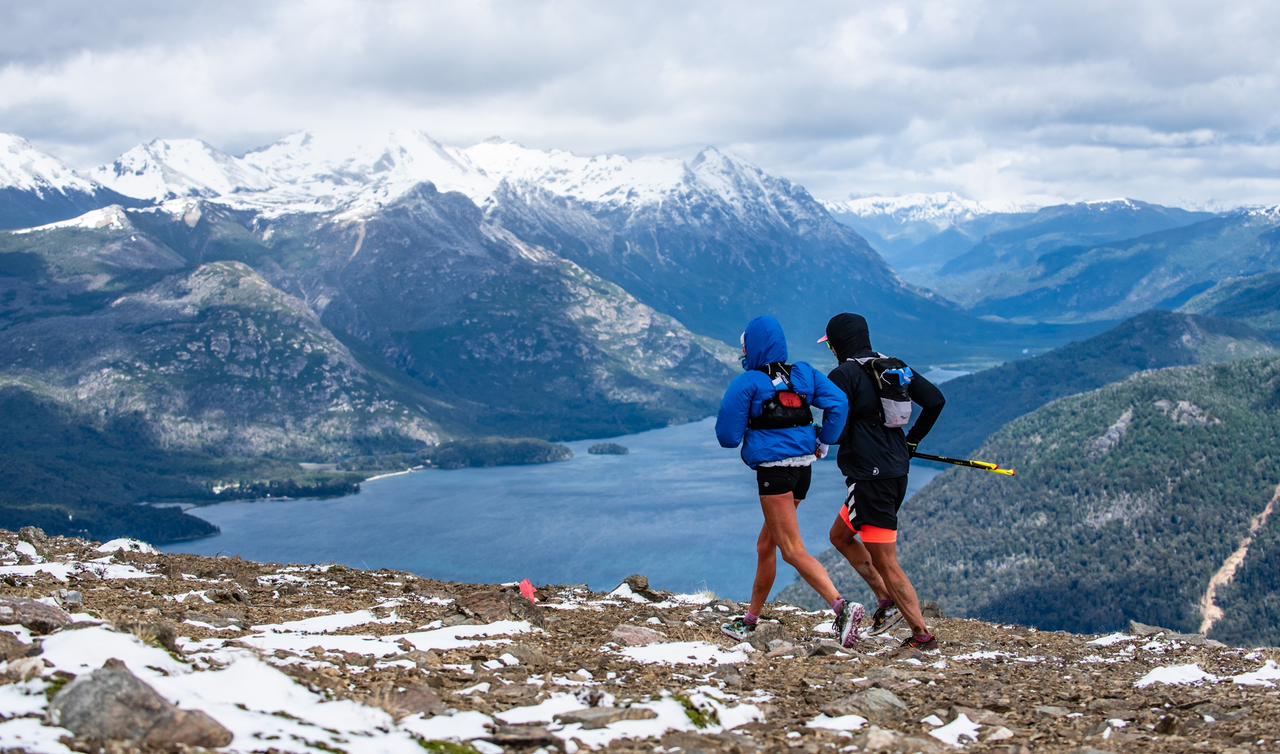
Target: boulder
{"points": [[598, 717], [766, 634], [826, 648], [1046, 710], [33, 535], [36, 616], [416, 699], [70, 598], [499, 604], [112, 704], [875, 704], [11, 647], [630, 635], [521, 736], [639, 584]]}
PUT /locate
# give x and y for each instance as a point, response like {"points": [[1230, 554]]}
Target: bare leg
{"points": [[780, 519], [766, 570], [851, 548], [885, 557]]}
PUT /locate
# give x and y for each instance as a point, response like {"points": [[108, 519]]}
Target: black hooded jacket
{"points": [[868, 449]]}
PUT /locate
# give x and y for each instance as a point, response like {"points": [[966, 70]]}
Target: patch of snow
{"points": [[958, 732], [28, 549], [933, 720], [670, 716], [20, 699], [843, 722], [625, 592], [480, 688], [984, 655], [684, 653], [460, 726], [1176, 675], [327, 624], [543, 712], [1263, 676], [1111, 639], [125, 544], [27, 733]]}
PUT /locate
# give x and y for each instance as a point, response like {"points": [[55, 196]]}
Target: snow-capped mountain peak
{"points": [[111, 217], [168, 168], [939, 209], [25, 168], [601, 179]]}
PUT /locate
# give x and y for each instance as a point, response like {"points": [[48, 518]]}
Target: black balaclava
{"points": [[848, 335]]}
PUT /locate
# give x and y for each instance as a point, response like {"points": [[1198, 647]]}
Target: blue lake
{"points": [[679, 509]]}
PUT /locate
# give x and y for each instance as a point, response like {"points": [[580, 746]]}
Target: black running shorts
{"points": [[874, 502], [779, 480]]}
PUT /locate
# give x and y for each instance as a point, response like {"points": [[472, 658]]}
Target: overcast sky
{"points": [[1169, 101]]}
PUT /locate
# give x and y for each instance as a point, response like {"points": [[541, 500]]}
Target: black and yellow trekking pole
{"points": [[994, 468]]}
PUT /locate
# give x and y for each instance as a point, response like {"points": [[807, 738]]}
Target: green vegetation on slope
{"points": [[72, 478], [1254, 299], [980, 403]]}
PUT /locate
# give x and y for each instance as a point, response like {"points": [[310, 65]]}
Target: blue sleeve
{"points": [[735, 408], [834, 405]]}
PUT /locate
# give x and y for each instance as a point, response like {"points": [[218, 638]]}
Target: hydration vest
{"points": [[786, 408]]}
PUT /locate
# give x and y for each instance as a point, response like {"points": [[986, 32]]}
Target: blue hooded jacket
{"points": [[747, 393]]}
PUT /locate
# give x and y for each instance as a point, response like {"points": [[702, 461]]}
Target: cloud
{"points": [[1169, 101]]}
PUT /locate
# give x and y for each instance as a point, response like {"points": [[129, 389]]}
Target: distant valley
{"points": [[186, 325]]}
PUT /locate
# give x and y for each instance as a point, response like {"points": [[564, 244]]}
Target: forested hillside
{"points": [[980, 403]]}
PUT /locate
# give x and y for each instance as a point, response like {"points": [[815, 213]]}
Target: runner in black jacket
{"points": [[875, 461]]}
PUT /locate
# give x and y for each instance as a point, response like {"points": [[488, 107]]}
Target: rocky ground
{"points": [[117, 648]]}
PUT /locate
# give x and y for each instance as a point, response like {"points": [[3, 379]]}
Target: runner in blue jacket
{"points": [[781, 447]]}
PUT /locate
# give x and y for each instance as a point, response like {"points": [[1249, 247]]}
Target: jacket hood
{"points": [[849, 335], [765, 342]]}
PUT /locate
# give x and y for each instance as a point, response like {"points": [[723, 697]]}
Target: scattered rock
{"points": [[112, 704], [34, 536], [36, 616], [1144, 630], [522, 736], [529, 656], [224, 618], [766, 634], [70, 598], [1046, 710], [875, 704], [598, 717], [229, 595], [639, 584], [11, 647], [499, 604], [826, 648], [729, 675], [159, 633], [631, 635], [26, 668], [782, 649], [412, 700], [932, 610], [998, 733]]}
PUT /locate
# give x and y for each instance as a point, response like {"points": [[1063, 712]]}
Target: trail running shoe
{"points": [[884, 619], [847, 622], [738, 629], [912, 642]]}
